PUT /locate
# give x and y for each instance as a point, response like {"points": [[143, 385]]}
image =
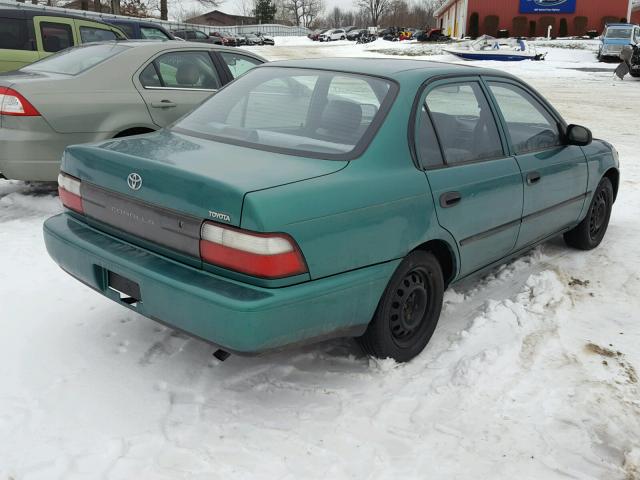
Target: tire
{"points": [[408, 311], [342, 38], [590, 232], [635, 74]]}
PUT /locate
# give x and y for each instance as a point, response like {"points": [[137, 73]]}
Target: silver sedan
{"points": [[104, 90]]}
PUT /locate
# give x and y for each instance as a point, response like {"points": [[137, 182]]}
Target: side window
{"points": [[427, 147], [239, 64], [149, 77], [152, 33], [187, 70], [14, 34], [531, 128], [127, 28], [91, 34], [464, 123], [200, 35], [56, 36]]}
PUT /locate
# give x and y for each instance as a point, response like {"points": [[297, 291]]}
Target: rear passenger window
{"points": [[427, 147], [464, 122], [238, 64], [14, 35], [56, 36], [531, 128], [149, 77], [186, 70], [90, 34]]}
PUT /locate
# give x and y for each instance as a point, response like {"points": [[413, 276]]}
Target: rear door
{"points": [[476, 184], [54, 34], [174, 83], [554, 174], [17, 46]]}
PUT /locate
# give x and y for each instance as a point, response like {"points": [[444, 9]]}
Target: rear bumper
{"points": [[238, 317], [31, 150]]}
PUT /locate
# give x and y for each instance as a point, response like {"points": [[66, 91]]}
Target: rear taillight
{"points": [[69, 191], [265, 255], [12, 103]]}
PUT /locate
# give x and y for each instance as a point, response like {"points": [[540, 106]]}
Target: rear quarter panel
{"points": [[379, 208]]}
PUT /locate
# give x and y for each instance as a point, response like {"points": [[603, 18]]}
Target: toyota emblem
{"points": [[135, 181]]}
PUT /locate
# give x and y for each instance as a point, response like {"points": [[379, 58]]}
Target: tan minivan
{"points": [[29, 35]]}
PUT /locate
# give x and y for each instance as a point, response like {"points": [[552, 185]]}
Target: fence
{"points": [[274, 30]]}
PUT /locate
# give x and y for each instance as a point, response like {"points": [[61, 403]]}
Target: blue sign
{"points": [[547, 6]]}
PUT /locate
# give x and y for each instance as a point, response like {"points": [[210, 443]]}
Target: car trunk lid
{"points": [[160, 187]]}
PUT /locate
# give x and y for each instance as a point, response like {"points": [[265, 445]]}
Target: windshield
{"points": [[305, 112], [619, 33], [73, 61]]}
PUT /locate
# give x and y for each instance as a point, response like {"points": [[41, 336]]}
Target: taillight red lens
{"points": [[69, 191], [265, 255], [12, 103]]}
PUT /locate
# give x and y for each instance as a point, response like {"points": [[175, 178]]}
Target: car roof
{"points": [[154, 46], [28, 14], [383, 67]]}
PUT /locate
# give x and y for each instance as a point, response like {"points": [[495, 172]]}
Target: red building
{"points": [[530, 18]]}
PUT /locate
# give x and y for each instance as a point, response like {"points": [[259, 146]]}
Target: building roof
{"points": [[217, 15]]}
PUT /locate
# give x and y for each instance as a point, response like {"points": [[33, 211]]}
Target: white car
{"points": [[337, 34]]}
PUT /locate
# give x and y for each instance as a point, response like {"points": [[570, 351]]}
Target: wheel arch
{"points": [[445, 255], [613, 174]]}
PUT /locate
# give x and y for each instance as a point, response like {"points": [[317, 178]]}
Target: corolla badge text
{"points": [[219, 216], [134, 181]]}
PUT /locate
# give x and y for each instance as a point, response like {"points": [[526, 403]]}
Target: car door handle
{"points": [[533, 178], [450, 199], [164, 104]]}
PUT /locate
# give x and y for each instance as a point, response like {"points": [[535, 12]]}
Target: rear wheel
{"points": [[590, 232], [408, 311]]}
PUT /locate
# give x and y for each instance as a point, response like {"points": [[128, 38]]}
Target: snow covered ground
{"points": [[531, 374]]}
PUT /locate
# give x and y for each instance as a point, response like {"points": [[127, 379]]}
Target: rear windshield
{"points": [[618, 33], [78, 59], [314, 113]]}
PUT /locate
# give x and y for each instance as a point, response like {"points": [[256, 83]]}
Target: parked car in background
{"points": [[29, 35], [355, 34], [315, 35], [432, 35], [228, 40], [305, 201], [140, 30], [330, 35], [266, 39], [616, 36], [253, 39], [104, 90], [197, 36]]}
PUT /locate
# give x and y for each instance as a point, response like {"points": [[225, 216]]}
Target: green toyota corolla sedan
{"points": [[328, 198]]}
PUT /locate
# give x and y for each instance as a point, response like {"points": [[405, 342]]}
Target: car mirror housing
{"points": [[579, 135]]}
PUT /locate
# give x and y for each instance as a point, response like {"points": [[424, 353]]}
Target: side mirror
{"points": [[578, 135]]}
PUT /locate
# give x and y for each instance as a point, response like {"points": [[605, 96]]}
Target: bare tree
{"points": [[375, 8], [336, 17], [304, 12]]}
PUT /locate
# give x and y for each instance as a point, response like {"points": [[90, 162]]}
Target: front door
{"points": [[174, 83], [477, 188], [554, 174]]}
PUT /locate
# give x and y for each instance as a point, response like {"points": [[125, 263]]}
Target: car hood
{"points": [[199, 177]]}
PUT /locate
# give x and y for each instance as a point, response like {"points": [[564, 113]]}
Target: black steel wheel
{"points": [[408, 311], [590, 232]]}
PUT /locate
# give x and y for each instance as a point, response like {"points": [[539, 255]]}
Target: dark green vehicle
{"points": [[30, 35], [326, 198]]}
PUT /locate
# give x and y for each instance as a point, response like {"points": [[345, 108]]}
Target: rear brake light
{"points": [[69, 191], [265, 255], [12, 103]]}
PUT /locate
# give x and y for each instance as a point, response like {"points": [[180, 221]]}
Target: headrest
{"points": [[342, 118]]}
